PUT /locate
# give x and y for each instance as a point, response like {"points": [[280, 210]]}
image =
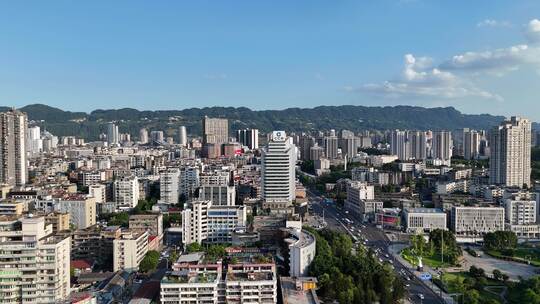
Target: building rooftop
{"points": [[424, 210], [294, 291]]}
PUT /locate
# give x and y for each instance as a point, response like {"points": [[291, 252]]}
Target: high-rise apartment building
{"points": [[278, 172], [471, 144], [169, 186], [248, 138], [13, 166], [417, 142], [157, 136], [34, 143], [399, 145], [143, 136], [215, 130], [510, 148], [331, 146], [113, 136], [34, 263], [441, 147]]}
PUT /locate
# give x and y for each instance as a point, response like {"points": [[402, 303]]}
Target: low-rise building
{"points": [[420, 220], [302, 246], [468, 221]]}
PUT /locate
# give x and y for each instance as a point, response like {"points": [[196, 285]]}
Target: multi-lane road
{"points": [[375, 239]]}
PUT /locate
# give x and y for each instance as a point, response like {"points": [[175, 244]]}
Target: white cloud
{"points": [[420, 79], [493, 23], [498, 61], [532, 31]]}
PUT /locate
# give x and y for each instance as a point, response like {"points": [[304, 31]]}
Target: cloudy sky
{"points": [[478, 56]]}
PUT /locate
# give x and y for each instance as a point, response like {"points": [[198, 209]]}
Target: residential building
{"points": [[58, 220], [34, 263], [82, 210], [215, 130], [471, 144], [143, 136], [13, 164], [151, 222], [510, 146], [169, 186], [113, 136], [360, 200], [126, 192], [129, 250], [442, 145]]}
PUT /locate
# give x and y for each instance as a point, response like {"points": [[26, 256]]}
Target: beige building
{"points": [[13, 165], [58, 220], [34, 263], [9, 207], [476, 220], [129, 250], [153, 223], [82, 210]]}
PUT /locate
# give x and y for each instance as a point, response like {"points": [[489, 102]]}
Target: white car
{"points": [[421, 296]]}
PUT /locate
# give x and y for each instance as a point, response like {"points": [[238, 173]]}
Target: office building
{"points": [[35, 264], [510, 146], [113, 136], [278, 172], [204, 222], [420, 220], [471, 221], [13, 164], [182, 136], [248, 138]]}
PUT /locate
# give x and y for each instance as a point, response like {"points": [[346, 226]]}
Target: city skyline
{"points": [[263, 56]]}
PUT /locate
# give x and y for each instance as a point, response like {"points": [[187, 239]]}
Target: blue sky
{"points": [[478, 56]]}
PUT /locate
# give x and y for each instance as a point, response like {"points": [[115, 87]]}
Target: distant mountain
{"points": [[349, 117]]}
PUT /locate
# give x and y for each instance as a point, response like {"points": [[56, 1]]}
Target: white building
{"points": [[278, 172], [143, 136], [34, 143], [113, 136], [248, 138], [471, 144], [129, 250], [34, 264], [182, 136], [447, 187], [126, 192], [302, 246], [211, 224], [441, 146], [420, 220], [98, 192], [476, 220], [510, 159], [218, 194], [169, 186], [360, 200]]}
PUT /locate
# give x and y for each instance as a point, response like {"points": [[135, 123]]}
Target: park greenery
{"points": [[352, 276], [501, 241], [149, 262], [439, 250]]}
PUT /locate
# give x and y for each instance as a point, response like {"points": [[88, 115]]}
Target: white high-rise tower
{"points": [[182, 136], [510, 160], [113, 135], [278, 172]]}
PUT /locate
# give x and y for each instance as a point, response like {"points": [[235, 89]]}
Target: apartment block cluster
{"points": [[91, 210], [471, 196]]}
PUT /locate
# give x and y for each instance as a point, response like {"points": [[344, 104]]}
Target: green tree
{"points": [[216, 251], [500, 241], [119, 219], [194, 247], [472, 297], [497, 274], [149, 262]]}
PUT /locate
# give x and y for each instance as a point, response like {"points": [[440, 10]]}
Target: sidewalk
{"points": [[395, 249]]}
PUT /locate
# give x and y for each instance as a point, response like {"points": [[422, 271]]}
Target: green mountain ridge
{"points": [[355, 118]]}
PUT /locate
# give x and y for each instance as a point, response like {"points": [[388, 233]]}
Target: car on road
{"points": [[421, 296]]}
